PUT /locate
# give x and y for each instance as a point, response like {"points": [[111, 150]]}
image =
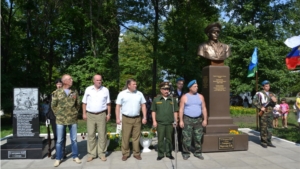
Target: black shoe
{"points": [[264, 146], [271, 145], [159, 158], [170, 157], [200, 157], [53, 156]]}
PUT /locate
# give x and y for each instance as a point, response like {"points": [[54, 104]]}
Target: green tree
{"points": [[184, 32], [262, 27], [135, 60]]}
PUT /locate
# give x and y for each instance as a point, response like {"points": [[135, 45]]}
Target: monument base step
{"points": [[224, 142], [221, 128], [25, 140], [11, 150]]}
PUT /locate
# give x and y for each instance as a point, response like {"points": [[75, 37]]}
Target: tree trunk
{"points": [[155, 46]]}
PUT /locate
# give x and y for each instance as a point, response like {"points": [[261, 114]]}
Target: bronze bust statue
{"points": [[214, 50]]}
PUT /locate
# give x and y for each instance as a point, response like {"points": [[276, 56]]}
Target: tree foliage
{"points": [[136, 61], [43, 39], [184, 32]]}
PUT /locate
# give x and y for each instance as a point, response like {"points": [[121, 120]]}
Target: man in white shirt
{"points": [[95, 104], [129, 102]]}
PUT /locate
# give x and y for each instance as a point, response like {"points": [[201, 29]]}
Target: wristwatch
{"points": [[109, 114]]}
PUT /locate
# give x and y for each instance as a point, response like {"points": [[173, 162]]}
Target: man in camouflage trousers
{"points": [[193, 117], [65, 105], [265, 101]]}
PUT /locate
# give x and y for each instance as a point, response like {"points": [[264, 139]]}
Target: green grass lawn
{"points": [[6, 126], [243, 120]]}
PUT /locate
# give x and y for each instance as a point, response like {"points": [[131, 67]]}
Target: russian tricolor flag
{"points": [[293, 58]]}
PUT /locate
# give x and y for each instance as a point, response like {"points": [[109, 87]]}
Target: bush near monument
{"points": [[238, 110]]}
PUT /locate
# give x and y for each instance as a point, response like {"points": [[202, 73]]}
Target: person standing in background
{"points": [[178, 93], [284, 107], [50, 115]]}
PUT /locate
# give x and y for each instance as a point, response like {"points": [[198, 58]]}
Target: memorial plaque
{"points": [[26, 113], [16, 154], [26, 142], [226, 143]]}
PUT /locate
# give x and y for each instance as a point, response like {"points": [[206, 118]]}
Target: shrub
{"points": [[238, 110]]}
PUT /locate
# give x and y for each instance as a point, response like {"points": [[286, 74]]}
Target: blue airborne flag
{"points": [[253, 64]]}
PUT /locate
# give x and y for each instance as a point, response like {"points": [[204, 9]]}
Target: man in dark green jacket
{"points": [[164, 115]]}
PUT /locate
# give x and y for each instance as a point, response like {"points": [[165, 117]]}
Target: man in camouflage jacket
{"points": [[265, 101], [65, 105]]}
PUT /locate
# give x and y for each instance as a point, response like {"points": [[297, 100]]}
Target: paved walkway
{"points": [[285, 156]]}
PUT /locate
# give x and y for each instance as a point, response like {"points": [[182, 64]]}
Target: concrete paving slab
{"points": [[267, 166], [206, 164], [285, 156], [277, 159], [290, 165], [255, 160], [230, 162]]}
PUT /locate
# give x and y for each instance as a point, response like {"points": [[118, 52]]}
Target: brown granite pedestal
{"points": [[216, 91]]}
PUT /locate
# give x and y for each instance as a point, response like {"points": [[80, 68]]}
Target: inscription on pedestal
{"points": [[219, 83], [16, 154], [225, 143], [26, 113], [24, 124]]}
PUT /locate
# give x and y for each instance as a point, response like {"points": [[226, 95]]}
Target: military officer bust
{"points": [[213, 49]]}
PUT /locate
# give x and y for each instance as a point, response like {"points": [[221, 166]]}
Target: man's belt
{"points": [[96, 113], [131, 116], [193, 117]]}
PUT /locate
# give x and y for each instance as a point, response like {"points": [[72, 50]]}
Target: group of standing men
{"points": [[192, 118], [96, 110], [185, 112]]}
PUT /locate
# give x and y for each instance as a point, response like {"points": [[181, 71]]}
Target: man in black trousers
{"points": [[178, 93]]}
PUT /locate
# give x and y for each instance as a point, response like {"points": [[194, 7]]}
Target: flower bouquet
{"points": [[234, 132]]}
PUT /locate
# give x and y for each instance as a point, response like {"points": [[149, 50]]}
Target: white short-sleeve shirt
{"points": [[96, 100], [130, 102]]}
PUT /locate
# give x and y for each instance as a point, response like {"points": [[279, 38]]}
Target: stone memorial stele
{"points": [[25, 142], [216, 91]]}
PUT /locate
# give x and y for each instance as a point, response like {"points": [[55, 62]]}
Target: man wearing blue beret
{"points": [[265, 101], [179, 92], [193, 117]]}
